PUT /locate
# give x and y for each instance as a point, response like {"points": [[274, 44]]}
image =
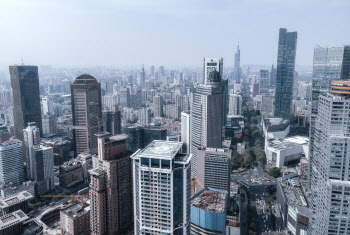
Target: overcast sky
{"points": [[176, 33]]}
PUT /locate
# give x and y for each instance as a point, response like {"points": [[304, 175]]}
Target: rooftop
{"points": [[294, 194], [77, 210], [210, 200], [15, 199], [289, 142], [84, 79], [164, 149], [11, 219]]}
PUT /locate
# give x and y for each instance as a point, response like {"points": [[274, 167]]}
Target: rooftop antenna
{"points": [[22, 60]]}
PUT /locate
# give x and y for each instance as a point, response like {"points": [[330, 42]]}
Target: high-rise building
{"points": [[210, 65], [26, 97], [295, 86], [49, 124], [330, 179], [267, 105], [151, 71], [145, 116], [31, 138], [161, 71], [272, 81], [111, 187], [235, 104], [75, 219], [124, 97], [264, 82], [214, 168], [5, 98], [158, 106], [162, 189], [112, 121], [237, 66], [47, 105], [287, 46], [185, 130], [86, 112], [207, 110], [43, 169], [330, 63], [4, 133], [11, 162]]}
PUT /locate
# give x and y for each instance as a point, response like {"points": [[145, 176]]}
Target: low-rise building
{"points": [[15, 202], [12, 223], [208, 212]]}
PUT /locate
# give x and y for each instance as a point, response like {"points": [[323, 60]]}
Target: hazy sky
{"points": [[177, 33]]}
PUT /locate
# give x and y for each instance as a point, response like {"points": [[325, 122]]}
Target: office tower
{"points": [[237, 66], [183, 101], [26, 97], [161, 71], [111, 187], [272, 81], [31, 136], [330, 179], [5, 98], [151, 133], [86, 112], [210, 65], [185, 130], [66, 86], [287, 46], [11, 162], [264, 82], [49, 124], [255, 89], [112, 121], [214, 168], [141, 76], [124, 97], [162, 191], [43, 169], [75, 219], [295, 86], [267, 105], [330, 63], [135, 140], [47, 105], [207, 111], [145, 116], [158, 106], [109, 101], [172, 111], [235, 104], [4, 133], [13, 223], [151, 71]]}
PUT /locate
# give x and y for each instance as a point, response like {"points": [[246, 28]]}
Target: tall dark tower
{"points": [[237, 66], [26, 97], [287, 46], [87, 113]]}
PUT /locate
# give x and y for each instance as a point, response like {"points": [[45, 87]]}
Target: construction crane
{"points": [[72, 197], [200, 183]]}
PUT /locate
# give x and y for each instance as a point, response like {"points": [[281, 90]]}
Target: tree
{"points": [[275, 172], [247, 159], [236, 160]]}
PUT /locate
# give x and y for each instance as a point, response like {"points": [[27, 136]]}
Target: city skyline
{"points": [[157, 22]]}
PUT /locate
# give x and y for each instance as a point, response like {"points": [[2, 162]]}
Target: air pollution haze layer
{"points": [[182, 32]]}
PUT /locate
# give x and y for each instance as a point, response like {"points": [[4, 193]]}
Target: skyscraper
{"points": [[111, 187], [31, 136], [11, 162], [235, 104], [86, 112], [162, 191], [330, 63], [207, 110], [330, 179], [47, 105], [26, 97], [185, 130], [264, 82], [287, 45], [145, 116], [237, 66], [272, 81], [43, 169], [113, 121], [158, 106], [151, 71]]}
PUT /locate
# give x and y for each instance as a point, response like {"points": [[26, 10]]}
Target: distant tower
{"points": [[272, 81], [158, 106], [47, 105], [162, 189], [113, 121], [235, 104], [264, 82], [31, 138], [26, 97], [287, 46], [86, 112], [237, 66]]}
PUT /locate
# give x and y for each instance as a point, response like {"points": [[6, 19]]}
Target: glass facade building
{"points": [[330, 63], [287, 45], [26, 97]]}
